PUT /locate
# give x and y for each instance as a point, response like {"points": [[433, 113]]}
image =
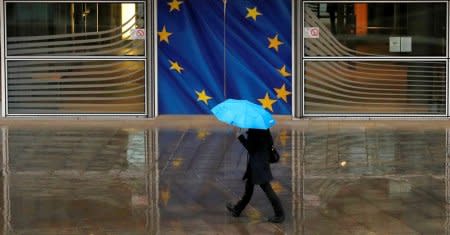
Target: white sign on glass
{"points": [[394, 44], [311, 32], [405, 44], [137, 34], [400, 44]]}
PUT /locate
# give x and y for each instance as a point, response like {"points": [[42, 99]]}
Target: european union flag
{"points": [[212, 50]]}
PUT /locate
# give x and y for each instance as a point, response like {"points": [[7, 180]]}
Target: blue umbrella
{"points": [[243, 114]]}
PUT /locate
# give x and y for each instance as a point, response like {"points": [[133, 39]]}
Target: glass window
{"points": [[43, 28], [49, 59], [374, 87], [76, 87], [375, 29]]}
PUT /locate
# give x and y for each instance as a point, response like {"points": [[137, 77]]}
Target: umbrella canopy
{"points": [[243, 114]]}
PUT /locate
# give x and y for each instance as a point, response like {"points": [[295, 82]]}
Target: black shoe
{"points": [[276, 219], [233, 211]]}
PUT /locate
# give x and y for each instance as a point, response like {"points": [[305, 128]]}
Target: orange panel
{"points": [[361, 18]]}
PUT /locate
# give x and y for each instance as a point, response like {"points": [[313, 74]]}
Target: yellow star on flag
{"points": [[267, 102], [201, 96], [282, 93], [252, 13], [174, 5], [284, 72], [175, 66], [274, 42], [164, 35]]}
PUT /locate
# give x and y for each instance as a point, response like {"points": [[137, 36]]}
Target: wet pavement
{"points": [[174, 176]]}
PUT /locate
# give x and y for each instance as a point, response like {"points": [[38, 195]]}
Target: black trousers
{"points": [[267, 188]]}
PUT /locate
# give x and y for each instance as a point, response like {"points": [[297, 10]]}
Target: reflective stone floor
{"points": [[174, 175]]}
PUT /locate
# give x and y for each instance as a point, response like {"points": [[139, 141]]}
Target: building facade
{"points": [[148, 58]]}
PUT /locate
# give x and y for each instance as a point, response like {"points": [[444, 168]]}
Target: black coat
{"points": [[258, 144]]}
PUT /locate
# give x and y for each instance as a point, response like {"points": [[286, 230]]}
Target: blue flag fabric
{"points": [[194, 73]]}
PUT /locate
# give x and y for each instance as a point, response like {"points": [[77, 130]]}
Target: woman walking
{"points": [[258, 144]]}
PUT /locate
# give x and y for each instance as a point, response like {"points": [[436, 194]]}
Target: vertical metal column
{"points": [[2, 62], [152, 59], [447, 40], [294, 55], [297, 59]]}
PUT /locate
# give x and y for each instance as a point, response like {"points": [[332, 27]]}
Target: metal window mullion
{"points": [[145, 27], [447, 31], [146, 95], [150, 20], [146, 43], [302, 86], [5, 91], [294, 55], [302, 63], [446, 89], [447, 61], [155, 59], [2, 62]]}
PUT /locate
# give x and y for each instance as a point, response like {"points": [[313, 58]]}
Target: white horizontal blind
{"points": [[375, 87], [76, 87]]}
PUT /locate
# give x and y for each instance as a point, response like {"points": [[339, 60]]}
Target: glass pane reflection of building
{"points": [[350, 84], [365, 29], [73, 28]]}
